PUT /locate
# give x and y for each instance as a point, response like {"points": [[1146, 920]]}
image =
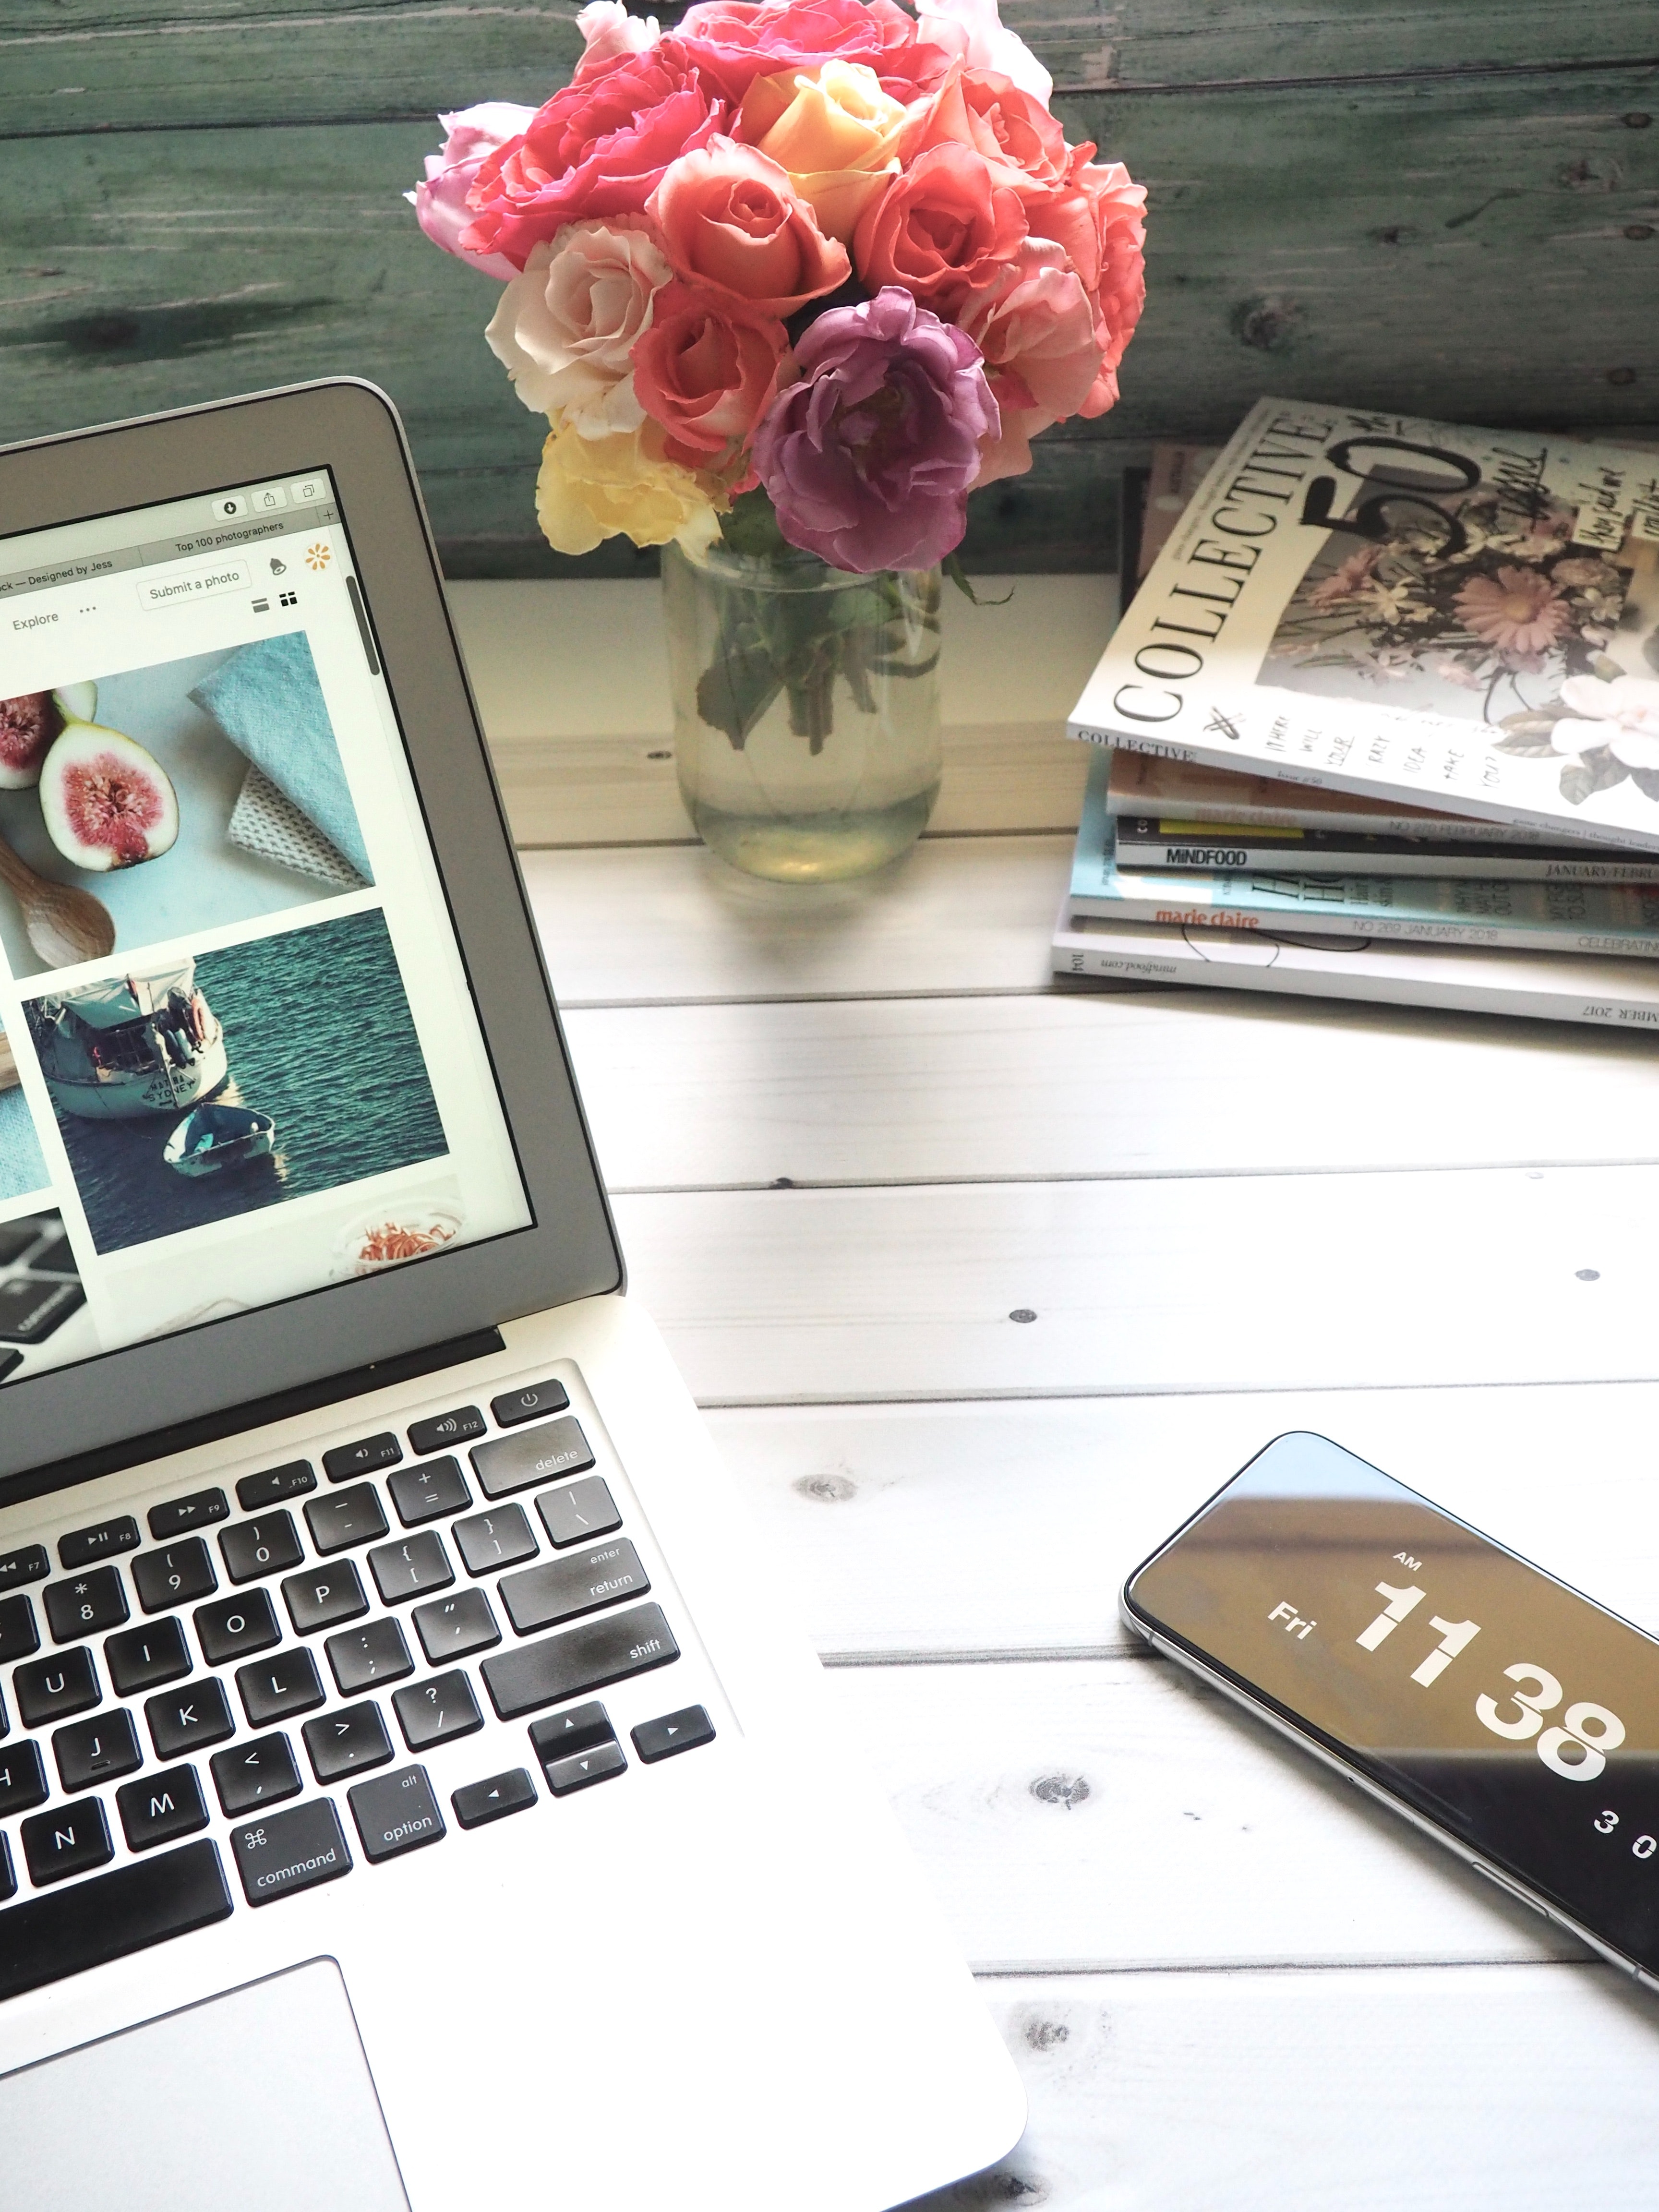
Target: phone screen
{"points": [[1492, 1698]]}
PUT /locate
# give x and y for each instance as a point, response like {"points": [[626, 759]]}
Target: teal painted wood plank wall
{"points": [[1450, 206]]}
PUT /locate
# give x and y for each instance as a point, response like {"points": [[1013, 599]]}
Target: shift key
{"points": [[290, 1851], [582, 1659]]}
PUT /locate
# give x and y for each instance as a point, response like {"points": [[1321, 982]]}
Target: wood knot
{"points": [[1267, 325], [827, 1489], [1067, 1790], [1044, 2034]]}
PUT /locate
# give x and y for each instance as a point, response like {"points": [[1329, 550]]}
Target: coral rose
{"points": [[989, 113], [835, 130], [730, 218], [971, 31], [705, 369], [1036, 328], [610, 35], [565, 328], [622, 486], [598, 148], [440, 202], [869, 459], [1117, 210], [733, 41], [942, 230]]}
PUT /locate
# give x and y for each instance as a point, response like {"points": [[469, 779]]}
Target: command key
{"points": [[290, 1851]]}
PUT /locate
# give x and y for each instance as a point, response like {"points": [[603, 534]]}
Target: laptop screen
{"points": [[240, 1057]]}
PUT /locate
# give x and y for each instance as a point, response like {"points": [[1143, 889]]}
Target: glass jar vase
{"points": [[806, 715]]}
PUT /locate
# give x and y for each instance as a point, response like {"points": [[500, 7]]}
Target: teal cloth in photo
{"points": [[267, 699], [21, 1167]]}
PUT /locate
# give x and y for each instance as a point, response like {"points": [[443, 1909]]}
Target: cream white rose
{"points": [[565, 328], [1626, 719]]}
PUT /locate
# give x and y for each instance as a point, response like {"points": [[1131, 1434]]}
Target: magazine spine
{"points": [[1540, 937], [1495, 865]]}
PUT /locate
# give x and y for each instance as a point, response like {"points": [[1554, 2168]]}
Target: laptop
{"points": [[415, 1789]]}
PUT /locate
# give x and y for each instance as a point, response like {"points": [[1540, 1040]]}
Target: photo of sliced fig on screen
{"points": [[31, 726], [106, 801]]}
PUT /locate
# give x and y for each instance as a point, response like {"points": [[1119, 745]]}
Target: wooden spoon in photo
{"points": [[63, 925]]}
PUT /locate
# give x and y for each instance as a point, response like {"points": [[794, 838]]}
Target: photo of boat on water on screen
{"points": [[204, 1088]]}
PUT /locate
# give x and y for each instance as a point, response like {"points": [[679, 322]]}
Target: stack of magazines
{"points": [[1382, 721]]}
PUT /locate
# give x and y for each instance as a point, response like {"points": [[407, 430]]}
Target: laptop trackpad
{"points": [[260, 2100]]}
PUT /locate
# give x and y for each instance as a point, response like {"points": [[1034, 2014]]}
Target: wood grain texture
{"points": [[1007, 1529], [1315, 238], [1113, 1813], [1261, 1282], [1249, 2092]]}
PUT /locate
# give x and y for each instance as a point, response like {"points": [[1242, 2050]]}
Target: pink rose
{"points": [[565, 327], [612, 34], [989, 113], [971, 31], [705, 369], [732, 41], [1036, 328], [730, 218], [600, 147], [440, 202], [1117, 209], [942, 230]]}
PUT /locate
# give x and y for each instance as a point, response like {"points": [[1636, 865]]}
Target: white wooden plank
{"points": [[1083, 1814], [1451, 2089], [993, 1088], [1000, 1529], [675, 924], [1266, 1282]]}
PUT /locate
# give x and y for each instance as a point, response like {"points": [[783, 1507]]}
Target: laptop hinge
{"points": [[232, 1420]]}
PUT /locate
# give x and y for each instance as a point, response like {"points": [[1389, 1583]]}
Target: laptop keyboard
{"points": [[260, 1654]]}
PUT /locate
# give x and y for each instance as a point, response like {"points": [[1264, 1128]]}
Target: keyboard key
{"points": [[427, 1494], [432, 1712], [274, 1689], [90, 1752], [256, 1773], [53, 1689], [184, 1722], [450, 1628], [366, 1457], [180, 1515], [237, 1626], [161, 1807], [323, 1597], [534, 1404], [396, 1812], [30, 1310], [674, 1733], [365, 1657], [457, 1428], [178, 1576], [565, 1775], [68, 1839], [509, 1463], [412, 1567], [25, 1565], [253, 1549], [355, 1517], [49, 1937], [84, 1605], [581, 1659], [499, 1539], [82, 1546], [7, 1879], [494, 1798], [291, 1480], [290, 1851], [22, 1782], [564, 1588], [143, 1658], [579, 1511], [561, 1735], [18, 1635], [340, 1743]]}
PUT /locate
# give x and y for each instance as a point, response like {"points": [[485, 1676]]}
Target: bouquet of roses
{"points": [[823, 258]]}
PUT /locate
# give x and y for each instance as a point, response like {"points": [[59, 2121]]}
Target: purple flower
{"points": [[440, 202], [868, 459]]}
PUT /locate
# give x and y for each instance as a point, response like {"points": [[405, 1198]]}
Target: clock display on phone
{"points": [[1502, 1705]]}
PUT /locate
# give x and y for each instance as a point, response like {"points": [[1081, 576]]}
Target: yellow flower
{"points": [[623, 485], [835, 130]]}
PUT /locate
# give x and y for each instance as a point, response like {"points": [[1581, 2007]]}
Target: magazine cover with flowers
{"points": [[807, 271], [1462, 619]]}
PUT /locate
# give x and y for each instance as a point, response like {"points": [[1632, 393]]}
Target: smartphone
{"points": [[1501, 1712]]}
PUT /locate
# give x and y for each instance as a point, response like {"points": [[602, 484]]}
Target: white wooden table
{"points": [[852, 1134]]}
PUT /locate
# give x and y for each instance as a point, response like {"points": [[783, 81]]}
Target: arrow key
{"points": [[588, 1767], [674, 1732], [494, 1798]]}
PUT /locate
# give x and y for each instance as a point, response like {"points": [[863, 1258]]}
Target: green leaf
{"points": [[953, 568], [1596, 770], [736, 689], [1522, 746], [752, 526]]}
